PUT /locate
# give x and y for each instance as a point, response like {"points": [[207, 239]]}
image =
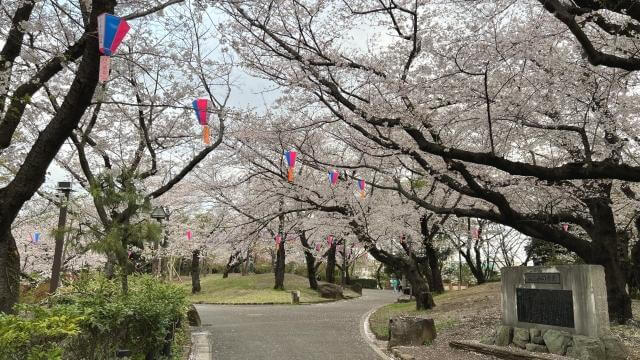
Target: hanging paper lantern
{"points": [[111, 32], [330, 240], [565, 227], [333, 177], [203, 107], [361, 186], [278, 241], [318, 246], [189, 234], [290, 156], [475, 233], [35, 238]]}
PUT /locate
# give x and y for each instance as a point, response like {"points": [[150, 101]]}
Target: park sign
{"points": [[572, 298]]}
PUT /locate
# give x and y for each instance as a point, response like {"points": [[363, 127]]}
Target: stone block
{"points": [[193, 316], [588, 348], [557, 341], [295, 297], [412, 331], [614, 348], [520, 337], [586, 314], [330, 291], [536, 336], [536, 348], [488, 339], [504, 335]]}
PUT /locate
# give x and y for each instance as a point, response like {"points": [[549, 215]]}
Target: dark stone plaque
{"points": [[542, 278], [548, 307]]}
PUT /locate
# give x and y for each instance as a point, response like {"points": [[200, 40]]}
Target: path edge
{"points": [[369, 337]]}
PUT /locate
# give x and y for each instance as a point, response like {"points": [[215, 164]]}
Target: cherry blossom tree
{"points": [[44, 43], [492, 100]]}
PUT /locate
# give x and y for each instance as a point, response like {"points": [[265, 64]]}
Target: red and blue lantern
{"points": [[361, 186], [35, 238], [290, 156], [111, 32], [202, 107], [330, 240], [333, 177]]}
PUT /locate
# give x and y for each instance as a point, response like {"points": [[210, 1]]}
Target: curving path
{"points": [[292, 332]]}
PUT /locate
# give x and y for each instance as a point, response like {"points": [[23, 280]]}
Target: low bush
{"points": [[92, 318], [138, 321], [366, 283], [38, 332]]}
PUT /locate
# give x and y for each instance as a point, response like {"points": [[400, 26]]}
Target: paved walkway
{"points": [[292, 332]]}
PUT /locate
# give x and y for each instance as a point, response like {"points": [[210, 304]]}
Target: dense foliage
{"points": [[92, 318]]}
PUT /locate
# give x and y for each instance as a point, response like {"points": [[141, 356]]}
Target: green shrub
{"points": [[366, 283], [38, 332], [138, 321]]}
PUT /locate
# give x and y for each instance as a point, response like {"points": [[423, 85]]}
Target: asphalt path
{"points": [[292, 332]]}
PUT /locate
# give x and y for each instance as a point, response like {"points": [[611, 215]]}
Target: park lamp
{"points": [[160, 213], [64, 187]]}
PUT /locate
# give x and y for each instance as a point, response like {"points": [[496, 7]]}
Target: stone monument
{"points": [[570, 298]]}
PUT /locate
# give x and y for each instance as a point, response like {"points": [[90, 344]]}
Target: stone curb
{"points": [[368, 335]]}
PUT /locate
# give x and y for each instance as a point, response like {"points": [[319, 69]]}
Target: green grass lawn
{"points": [[253, 289], [379, 320]]}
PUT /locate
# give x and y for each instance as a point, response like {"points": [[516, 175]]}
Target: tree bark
{"points": [[279, 270], [435, 274], [310, 260], [195, 272], [331, 263], [604, 251], [10, 274]]}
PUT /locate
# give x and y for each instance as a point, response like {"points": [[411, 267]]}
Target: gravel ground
{"points": [[476, 312]]}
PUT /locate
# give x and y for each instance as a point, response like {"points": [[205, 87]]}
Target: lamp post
{"points": [[159, 213], [64, 187]]}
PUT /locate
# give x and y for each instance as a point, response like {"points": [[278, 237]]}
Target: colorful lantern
{"points": [[475, 233], [333, 177], [278, 241], [330, 240], [189, 234], [35, 238], [361, 186], [111, 32], [290, 156], [203, 107], [318, 246], [565, 227]]}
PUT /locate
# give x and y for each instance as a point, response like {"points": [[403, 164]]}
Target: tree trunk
{"points": [[378, 277], [604, 251], [311, 270], [10, 274], [419, 286], [634, 273], [436, 275], [195, 271], [476, 269], [310, 260], [279, 270], [245, 265], [331, 263]]}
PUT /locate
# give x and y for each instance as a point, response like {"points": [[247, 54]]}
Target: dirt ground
{"points": [[474, 313]]}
